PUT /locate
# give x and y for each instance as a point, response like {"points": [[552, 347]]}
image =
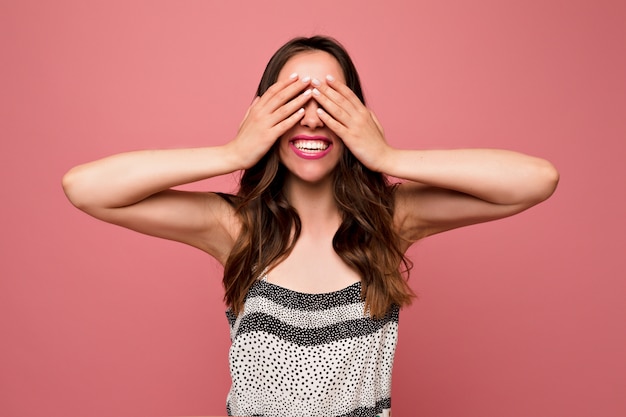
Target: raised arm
{"points": [[454, 188], [445, 189], [133, 189]]}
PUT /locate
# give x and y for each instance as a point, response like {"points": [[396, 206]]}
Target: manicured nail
{"points": [[316, 91], [306, 79], [316, 82], [330, 78], [307, 92], [301, 110], [320, 111], [293, 76]]}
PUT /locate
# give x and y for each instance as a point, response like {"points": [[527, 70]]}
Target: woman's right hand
{"points": [[269, 117]]}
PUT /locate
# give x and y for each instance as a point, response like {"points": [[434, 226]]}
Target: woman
{"points": [[313, 243]]}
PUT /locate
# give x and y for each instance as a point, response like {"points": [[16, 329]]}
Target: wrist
{"points": [[236, 158], [387, 160]]}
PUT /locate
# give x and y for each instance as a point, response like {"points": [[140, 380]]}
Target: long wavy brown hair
{"points": [[365, 240]]}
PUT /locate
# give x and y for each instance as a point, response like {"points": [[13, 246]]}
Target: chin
{"points": [[313, 171], [310, 174]]}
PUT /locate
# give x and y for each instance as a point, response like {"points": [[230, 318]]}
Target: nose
{"points": [[311, 119]]}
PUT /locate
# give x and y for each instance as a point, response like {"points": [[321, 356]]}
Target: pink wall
{"points": [[522, 317]]}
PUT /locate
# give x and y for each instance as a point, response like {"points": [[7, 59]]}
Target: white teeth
{"points": [[311, 145]]}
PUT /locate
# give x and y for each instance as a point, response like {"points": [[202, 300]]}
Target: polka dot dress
{"points": [[296, 354]]}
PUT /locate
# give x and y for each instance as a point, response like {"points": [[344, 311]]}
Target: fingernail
{"points": [[301, 110], [316, 82], [316, 91], [293, 76], [319, 111], [307, 92], [306, 79], [330, 78]]}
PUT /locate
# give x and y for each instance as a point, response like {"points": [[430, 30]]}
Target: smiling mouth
{"points": [[308, 145], [311, 147]]}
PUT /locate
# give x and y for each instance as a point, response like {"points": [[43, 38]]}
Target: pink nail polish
{"points": [[330, 78], [293, 76], [316, 82]]}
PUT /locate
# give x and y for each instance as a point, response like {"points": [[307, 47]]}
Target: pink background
{"points": [[521, 317]]}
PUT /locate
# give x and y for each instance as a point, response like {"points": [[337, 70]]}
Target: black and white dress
{"points": [[302, 355]]}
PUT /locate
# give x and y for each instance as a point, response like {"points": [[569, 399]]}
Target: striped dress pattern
{"points": [[303, 355]]}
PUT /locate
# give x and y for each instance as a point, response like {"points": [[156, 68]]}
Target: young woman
{"points": [[313, 243]]}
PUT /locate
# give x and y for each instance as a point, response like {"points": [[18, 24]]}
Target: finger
{"points": [[287, 109], [339, 111], [288, 123], [339, 100], [255, 101], [284, 90], [279, 85], [339, 129], [335, 87]]}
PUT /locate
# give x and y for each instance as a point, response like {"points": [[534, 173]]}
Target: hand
{"points": [[343, 113], [268, 117]]}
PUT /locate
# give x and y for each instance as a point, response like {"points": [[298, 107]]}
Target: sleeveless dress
{"points": [[303, 355]]}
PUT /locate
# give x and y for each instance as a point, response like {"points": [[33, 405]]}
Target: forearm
{"points": [[127, 178], [497, 176]]}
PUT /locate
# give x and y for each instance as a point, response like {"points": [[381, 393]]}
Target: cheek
{"points": [[340, 146]]}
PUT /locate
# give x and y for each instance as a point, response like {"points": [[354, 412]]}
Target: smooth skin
{"points": [[443, 189]]}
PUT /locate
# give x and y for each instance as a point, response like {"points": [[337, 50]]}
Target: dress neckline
{"points": [[263, 278]]}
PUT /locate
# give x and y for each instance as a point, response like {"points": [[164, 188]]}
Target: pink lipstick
{"points": [[310, 147]]}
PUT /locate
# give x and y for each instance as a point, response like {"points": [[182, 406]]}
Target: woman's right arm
{"points": [[134, 189]]}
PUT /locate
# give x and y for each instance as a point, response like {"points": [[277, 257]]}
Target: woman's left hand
{"points": [[343, 113]]}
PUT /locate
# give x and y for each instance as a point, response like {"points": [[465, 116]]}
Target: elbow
{"points": [[551, 178], [72, 185], [69, 185], [546, 181]]}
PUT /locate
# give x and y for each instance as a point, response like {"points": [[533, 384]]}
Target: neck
{"points": [[314, 202]]}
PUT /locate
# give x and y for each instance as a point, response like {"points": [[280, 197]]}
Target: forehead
{"points": [[314, 64]]}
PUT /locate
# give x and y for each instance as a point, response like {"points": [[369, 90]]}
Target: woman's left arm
{"points": [[446, 189], [454, 188]]}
